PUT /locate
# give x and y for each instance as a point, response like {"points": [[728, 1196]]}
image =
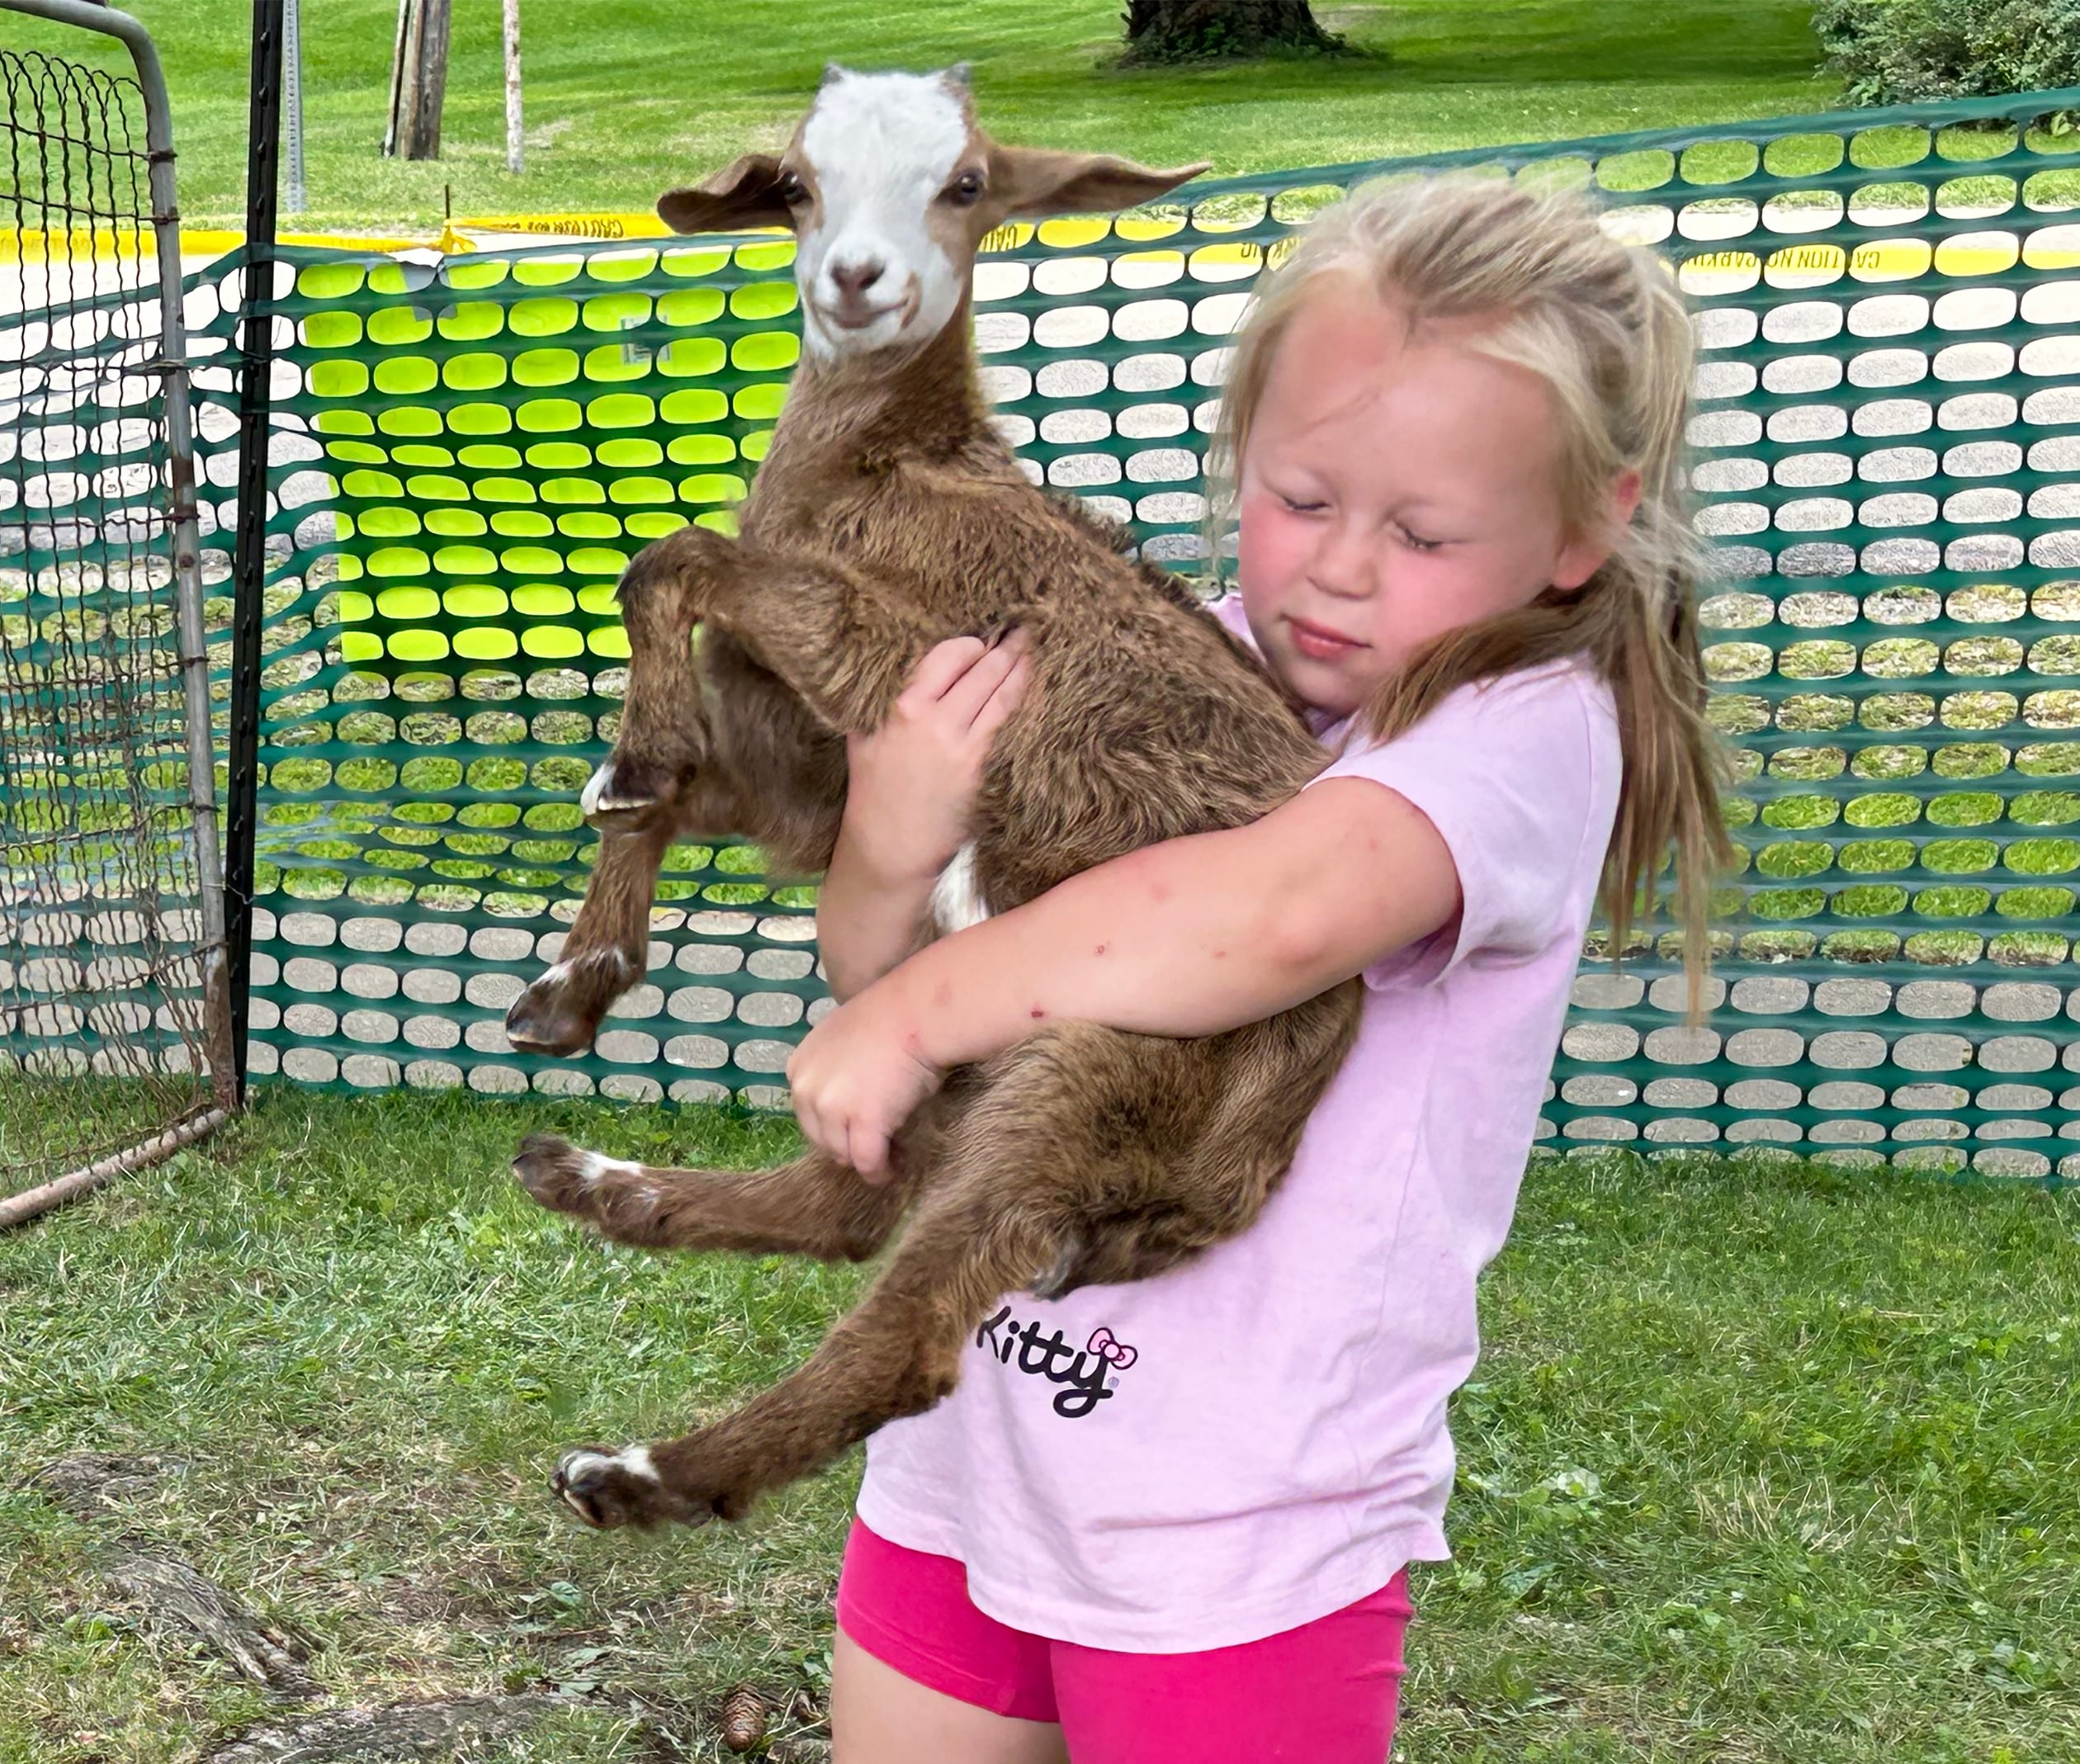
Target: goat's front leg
{"points": [[607, 948], [663, 597], [843, 642]]}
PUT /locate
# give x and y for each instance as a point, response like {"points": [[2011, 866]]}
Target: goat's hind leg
{"points": [[1024, 1168], [811, 1206], [897, 1353]]}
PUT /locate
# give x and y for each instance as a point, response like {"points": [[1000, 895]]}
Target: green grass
{"points": [[628, 97], [1762, 1464]]}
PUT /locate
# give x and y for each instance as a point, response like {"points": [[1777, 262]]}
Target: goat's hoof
{"points": [[625, 792], [541, 1022], [559, 1012], [555, 1172], [609, 1490]]}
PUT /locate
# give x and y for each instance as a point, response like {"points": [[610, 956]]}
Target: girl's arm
{"points": [[1188, 938], [913, 783], [867, 920]]}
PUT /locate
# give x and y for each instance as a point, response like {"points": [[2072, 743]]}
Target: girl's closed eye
{"points": [[1415, 541]]}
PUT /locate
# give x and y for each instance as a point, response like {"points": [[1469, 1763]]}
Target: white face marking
{"points": [[882, 147], [956, 900]]}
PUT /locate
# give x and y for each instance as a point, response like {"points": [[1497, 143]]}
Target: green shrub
{"points": [[1895, 51]]}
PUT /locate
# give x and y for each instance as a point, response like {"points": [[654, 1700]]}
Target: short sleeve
{"points": [[1228, 611], [1519, 776]]}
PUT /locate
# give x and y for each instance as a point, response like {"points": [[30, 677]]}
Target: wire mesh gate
{"points": [[114, 997]]}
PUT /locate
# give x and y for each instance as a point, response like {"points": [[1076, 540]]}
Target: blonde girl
{"points": [[1169, 1523]]}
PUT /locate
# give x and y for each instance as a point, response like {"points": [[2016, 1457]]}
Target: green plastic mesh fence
{"points": [[1888, 438]]}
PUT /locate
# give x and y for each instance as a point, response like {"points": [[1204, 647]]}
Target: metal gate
{"points": [[115, 1043]]}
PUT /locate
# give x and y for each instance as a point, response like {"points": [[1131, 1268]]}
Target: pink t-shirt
{"points": [[1257, 1439]]}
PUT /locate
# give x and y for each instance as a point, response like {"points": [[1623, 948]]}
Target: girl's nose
{"points": [[1345, 562]]}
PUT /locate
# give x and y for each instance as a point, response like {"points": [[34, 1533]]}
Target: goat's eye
{"points": [[791, 189], [966, 189]]}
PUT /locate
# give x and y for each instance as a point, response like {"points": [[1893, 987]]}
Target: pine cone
{"points": [[743, 1719]]}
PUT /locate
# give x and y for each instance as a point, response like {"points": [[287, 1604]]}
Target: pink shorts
{"points": [[1325, 1692]]}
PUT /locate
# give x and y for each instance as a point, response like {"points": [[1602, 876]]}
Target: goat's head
{"points": [[889, 186]]}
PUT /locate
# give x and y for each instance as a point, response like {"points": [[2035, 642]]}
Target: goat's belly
{"points": [[956, 900]]}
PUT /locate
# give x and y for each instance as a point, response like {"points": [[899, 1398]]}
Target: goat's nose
{"points": [[855, 279]]}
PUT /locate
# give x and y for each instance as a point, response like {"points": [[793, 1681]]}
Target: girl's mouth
{"points": [[1321, 645]]}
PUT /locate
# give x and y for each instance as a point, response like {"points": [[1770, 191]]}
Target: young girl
{"points": [[1169, 1522]]}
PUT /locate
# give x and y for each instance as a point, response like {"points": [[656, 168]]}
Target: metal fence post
{"points": [[249, 557]]}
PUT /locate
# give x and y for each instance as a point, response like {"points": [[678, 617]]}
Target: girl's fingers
{"points": [[940, 667], [866, 1150], [965, 699], [811, 1123], [1000, 705]]}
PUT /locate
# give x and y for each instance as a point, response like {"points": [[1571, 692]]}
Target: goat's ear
{"points": [[742, 195], [1034, 180]]}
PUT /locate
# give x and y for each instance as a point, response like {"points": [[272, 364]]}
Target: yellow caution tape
{"points": [[335, 241], [597, 225], [1891, 259], [81, 244]]}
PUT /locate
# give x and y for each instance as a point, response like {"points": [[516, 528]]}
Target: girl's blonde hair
{"points": [[1603, 325]]}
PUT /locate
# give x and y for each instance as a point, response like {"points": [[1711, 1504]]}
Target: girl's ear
{"points": [[1624, 499], [742, 195], [1579, 559]]}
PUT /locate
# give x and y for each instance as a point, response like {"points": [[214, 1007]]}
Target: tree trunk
{"points": [[418, 81], [1181, 30], [513, 141]]}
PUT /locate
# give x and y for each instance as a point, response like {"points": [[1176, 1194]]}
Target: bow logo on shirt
{"points": [[1104, 1344]]}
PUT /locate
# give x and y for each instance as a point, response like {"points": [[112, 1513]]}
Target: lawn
{"points": [[1763, 1463], [628, 97]]}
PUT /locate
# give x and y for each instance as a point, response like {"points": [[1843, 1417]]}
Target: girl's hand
{"points": [[857, 1077], [914, 779]]}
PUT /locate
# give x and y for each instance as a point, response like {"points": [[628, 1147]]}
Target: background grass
{"points": [[1763, 1463], [628, 97]]}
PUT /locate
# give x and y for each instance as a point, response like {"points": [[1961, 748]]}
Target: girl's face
{"points": [[1393, 489]]}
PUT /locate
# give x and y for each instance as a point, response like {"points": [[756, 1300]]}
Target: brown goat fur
{"points": [[889, 516]]}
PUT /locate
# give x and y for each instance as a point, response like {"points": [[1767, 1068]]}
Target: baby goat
{"points": [[889, 516]]}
